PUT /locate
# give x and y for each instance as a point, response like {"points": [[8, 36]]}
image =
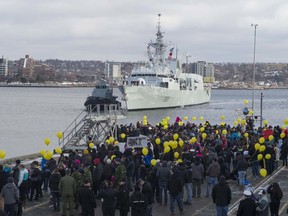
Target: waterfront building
{"points": [[27, 68], [204, 69], [3, 67]]}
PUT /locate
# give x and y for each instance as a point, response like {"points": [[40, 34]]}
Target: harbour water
{"points": [[29, 115]]}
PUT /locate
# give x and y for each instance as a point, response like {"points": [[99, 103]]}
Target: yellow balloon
{"points": [[179, 161], [239, 120], [246, 101], [193, 140], [222, 117], [261, 140], [49, 153], [145, 151], [174, 145], [111, 139], [58, 150], [246, 135], [122, 135], [181, 143], [251, 112], [59, 134], [47, 141], [185, 118], [194, 118], [107, 141], [263, 172], [243, 121], [165, 127], [259, 157], [222, 124], [282, 135], [157, 141], [271, 138], [257, 146], [175, 136], [144, 117], [204, 135], [167, 118], [265, 122], [85, 152], [180, 123], [167, 149], [268, 156], [164, 123], [202, 129], [116, 142], [201, 118], [286, 121], [112, 157], [153, 162], [91, 145], [235, 122], [176, 154], [224, 132], [262, 148], [2, 154], [42, 152], [166, 144], [47, 157]]}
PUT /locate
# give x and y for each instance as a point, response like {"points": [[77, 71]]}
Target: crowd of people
{"points": [[180, 157]]}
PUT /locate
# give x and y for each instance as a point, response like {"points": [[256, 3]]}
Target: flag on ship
{"points": [[170, 53]]}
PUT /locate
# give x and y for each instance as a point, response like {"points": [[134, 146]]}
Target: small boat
{"points": [[102, 95], [161, 82]]}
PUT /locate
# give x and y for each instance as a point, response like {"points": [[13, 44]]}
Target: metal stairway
{"points": [[97, 123]]}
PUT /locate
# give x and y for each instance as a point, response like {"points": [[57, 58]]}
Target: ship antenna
{"points": [[159, 23]]}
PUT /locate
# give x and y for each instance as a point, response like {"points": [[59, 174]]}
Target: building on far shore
{"points": [[27, 68], [204, 69], [3, 67]]}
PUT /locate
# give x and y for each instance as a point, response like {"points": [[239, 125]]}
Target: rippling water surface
{"points": [[29, 115]]}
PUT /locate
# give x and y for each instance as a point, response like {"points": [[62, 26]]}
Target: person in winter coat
{"points": [[130, 172], [175, 188], [197, 176], [54, 180], [247, 206], [241, 168], [276, 195], [122, 198], [10, 194], [86, 199], [108, 196], [23, 182], [138, 203], [148, 192], [36, 181], [163, 175], [120, 172], [188, 183], [221, 195], [97, 173], [3, 177], [79, 182], [67, 189], [213, 172]]}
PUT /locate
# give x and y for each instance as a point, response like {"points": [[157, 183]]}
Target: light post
{"points": [[253, 80]]}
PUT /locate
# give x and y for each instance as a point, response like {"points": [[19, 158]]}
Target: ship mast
{"points": [[160, 47]]}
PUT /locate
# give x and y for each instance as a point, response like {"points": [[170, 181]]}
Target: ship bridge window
{"points": [[164, 84]]}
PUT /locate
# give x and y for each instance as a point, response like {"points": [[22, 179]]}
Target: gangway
{"points": [[96, 122]]}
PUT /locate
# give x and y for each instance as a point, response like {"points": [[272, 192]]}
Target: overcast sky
{"points": [[119, 30]]}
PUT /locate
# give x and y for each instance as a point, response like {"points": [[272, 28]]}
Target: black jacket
{"points": [[247, 207], [109, 198], [3, 179], [122, 199], [175, 185], [54, 182], [221, 194], [148, 192], [86, 198], [138, 204]]}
